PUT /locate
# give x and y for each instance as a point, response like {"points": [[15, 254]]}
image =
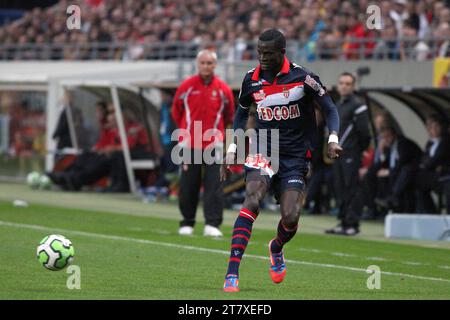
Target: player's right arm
{"points": [[240, 122]]}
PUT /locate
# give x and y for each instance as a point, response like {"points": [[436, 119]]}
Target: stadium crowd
{"points": [[327, 29]]}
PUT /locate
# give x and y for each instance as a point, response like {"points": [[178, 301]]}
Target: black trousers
{"points": [[88, 168], [397, 188], [346, 184], [369, 190], [191, 178], [322, 175], [425, 182], [446, 187], [401, 187]]}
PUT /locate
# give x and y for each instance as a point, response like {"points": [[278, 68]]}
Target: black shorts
{"points": [[290, 175]]}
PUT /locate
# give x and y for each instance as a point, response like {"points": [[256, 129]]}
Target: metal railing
{"points": [[342, 49]]}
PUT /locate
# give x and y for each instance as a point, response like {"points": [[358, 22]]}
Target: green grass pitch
{"points": [[133, 252]]}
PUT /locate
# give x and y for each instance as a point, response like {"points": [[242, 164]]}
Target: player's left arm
{"points": [[314, 87]]}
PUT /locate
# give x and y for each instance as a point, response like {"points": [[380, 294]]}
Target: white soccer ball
{"points": [[33, 179], [55, 252], [45, 182]]}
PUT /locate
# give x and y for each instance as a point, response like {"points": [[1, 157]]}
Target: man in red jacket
{"points": [[203, 104]]}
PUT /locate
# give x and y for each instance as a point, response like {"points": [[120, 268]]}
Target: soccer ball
{"points": [[33, 179], [44, 182], [55, 252]]}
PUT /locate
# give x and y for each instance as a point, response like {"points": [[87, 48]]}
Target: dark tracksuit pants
{"points": [[321, 175], [346, 184], [87, 168], [192, 176], [401, 188], [425, 182], [447, 195]]}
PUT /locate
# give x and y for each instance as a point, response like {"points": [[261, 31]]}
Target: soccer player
{"points": [[284, 94]]}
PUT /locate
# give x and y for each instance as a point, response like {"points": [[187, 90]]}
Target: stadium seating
{"points": [[132, 30]]}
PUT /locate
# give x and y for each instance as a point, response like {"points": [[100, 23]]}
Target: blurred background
{"points": [[59, 87]]}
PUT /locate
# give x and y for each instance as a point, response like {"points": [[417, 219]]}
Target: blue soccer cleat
{"points": [[277, 266], [231, 283]]}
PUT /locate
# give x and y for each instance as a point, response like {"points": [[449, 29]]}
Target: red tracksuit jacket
{"points": [[212, 104]]}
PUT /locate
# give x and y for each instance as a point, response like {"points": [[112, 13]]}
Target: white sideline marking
{"points": [[413, 263], [200, 249], [347, 255], [342, 254], [376, 258]]}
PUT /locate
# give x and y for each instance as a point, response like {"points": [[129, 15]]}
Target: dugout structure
{"points": [[75, 88]]}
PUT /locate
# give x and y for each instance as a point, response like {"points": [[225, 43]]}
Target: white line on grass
{"points": [[347, 255], [200, 249]]}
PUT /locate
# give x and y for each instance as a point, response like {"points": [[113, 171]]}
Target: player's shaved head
{"points": [[276, 36], [271, 50]]}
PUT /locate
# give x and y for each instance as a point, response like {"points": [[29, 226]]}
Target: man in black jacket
{"points": [[354, 137], [403, 159], [434, 167]]}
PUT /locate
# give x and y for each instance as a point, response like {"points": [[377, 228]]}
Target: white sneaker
{"points": [[211, 231], [186, 231]]}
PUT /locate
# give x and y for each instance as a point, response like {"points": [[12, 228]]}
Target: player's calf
{"points": [[286, 230], [242, 232]]}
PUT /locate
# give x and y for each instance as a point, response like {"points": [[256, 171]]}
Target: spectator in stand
{"points": [[356, 31], [443, 44], [387, 44], [411, 47], [417, 18], [399, 14]]}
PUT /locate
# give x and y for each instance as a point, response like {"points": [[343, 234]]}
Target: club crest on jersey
{"points": [[314, 85], [285, 92], [214, 93], [260, 95]]}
